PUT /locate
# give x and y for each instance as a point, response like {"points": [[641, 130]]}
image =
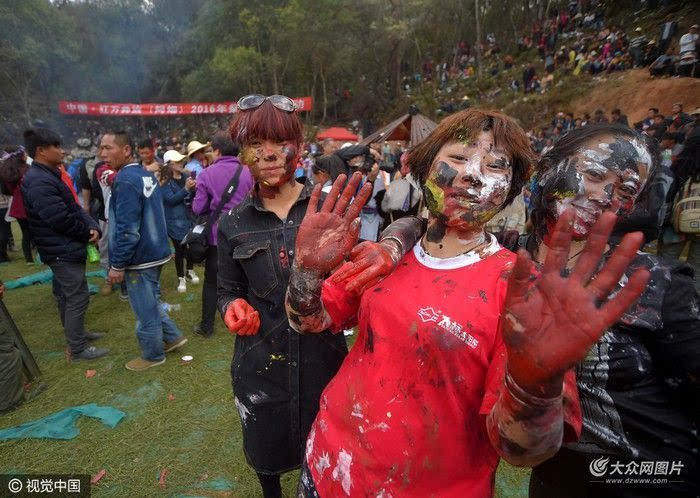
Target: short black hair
{"points": [[669, 136], [656, 111], [223, 143], [145, 143], [616, 111], [40, 137], [121, 137]]}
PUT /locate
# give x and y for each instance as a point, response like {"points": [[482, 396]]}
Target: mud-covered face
{"points": [[468, 182], [270, 162], [603, 170]]}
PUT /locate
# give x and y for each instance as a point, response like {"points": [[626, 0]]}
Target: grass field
{"points": [[179, 417]]}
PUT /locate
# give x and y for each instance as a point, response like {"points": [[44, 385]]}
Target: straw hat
{"points": [[195, 146]]}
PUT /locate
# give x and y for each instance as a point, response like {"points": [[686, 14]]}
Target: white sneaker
{"points": [[182, 286], [192, 276]]}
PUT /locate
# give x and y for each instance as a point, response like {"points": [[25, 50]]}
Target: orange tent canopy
{"points": [[337, 133]]}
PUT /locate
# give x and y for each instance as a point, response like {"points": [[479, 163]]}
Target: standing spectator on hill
{"points": [[689, 41], [668, 31], [688, 52], [212, 184], [61, 230], [528, 76], [138, 249], [637, 45]]}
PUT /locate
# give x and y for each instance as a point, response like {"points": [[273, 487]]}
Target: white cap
{"points": [[173, 156]]}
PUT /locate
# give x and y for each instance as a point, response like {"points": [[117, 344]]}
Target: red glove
{"points": [[241, 318]]}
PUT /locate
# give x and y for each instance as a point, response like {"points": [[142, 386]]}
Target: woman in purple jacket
{"points": [[211, 183]]}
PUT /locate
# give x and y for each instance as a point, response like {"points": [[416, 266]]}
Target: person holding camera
{"points": [[344, 161], [177, 188]]}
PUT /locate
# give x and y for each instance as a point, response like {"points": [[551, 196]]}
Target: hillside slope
{"points": [[635, 91]]}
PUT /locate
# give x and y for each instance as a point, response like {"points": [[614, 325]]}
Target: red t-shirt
{"points": [[405, 415]]}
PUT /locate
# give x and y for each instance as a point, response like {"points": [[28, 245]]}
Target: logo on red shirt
{"points": [[428, 314]]}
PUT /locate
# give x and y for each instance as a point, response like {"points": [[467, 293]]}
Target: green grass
{"points": [[196, 436]]}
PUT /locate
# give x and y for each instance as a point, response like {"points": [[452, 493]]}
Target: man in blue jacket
{"points": [[138, 249], [61, 230]]}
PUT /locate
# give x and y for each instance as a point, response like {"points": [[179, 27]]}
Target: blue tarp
{"points": [[61, 425]]}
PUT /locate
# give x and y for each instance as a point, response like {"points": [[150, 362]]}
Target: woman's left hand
{"points": [[551, 321], [325, 237]]}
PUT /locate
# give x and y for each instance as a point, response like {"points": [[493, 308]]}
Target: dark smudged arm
{"points": [[406, 231], [303, 301], [524, 429]]}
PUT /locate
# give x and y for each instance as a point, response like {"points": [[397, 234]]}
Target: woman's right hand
{"points": [[325, 237], [241, 318], [190, 184]]}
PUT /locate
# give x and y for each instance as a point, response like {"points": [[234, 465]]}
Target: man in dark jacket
{"points": [[61, 230], [138, 249]]}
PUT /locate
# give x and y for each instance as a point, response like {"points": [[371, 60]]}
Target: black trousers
{"points": [[180, 258], [72, 297], [5, 235], [26, 240], [209, 290]]}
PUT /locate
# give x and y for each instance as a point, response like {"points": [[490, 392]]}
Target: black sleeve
{"points": [[231, 280], [677, 347], [83, 179], [348, 153]]}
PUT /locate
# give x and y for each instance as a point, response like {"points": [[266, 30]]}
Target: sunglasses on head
{"points": [[256, 100]]}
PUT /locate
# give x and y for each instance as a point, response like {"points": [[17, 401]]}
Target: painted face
{"points": [[468, 182], [271, 163], [146, 154], [603, 170]]}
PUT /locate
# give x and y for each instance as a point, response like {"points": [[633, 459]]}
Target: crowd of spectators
{"points": [[673, 126]]}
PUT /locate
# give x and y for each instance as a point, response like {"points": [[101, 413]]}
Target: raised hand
{"points": [[326, 236], [551, 321], [241, 318], [369, 263]]}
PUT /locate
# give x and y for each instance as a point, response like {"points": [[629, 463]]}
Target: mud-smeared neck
{"points": [[442, 241]]}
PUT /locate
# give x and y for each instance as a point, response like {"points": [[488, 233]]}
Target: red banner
{"points": [[114, 109]]}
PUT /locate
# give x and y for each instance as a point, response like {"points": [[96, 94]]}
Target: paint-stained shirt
{"points": [[405, 415]]}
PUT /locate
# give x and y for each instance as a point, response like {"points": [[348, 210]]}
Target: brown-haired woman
{"points": [[13, 167], [277, 374], [427, 400]]}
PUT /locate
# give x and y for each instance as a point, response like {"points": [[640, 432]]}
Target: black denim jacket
{"points": [[278, 375]]}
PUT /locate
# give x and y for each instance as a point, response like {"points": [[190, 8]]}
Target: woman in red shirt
{"points": [[432, 394]]}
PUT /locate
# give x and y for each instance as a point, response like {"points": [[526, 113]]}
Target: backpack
{"points": [[686, 208]]}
